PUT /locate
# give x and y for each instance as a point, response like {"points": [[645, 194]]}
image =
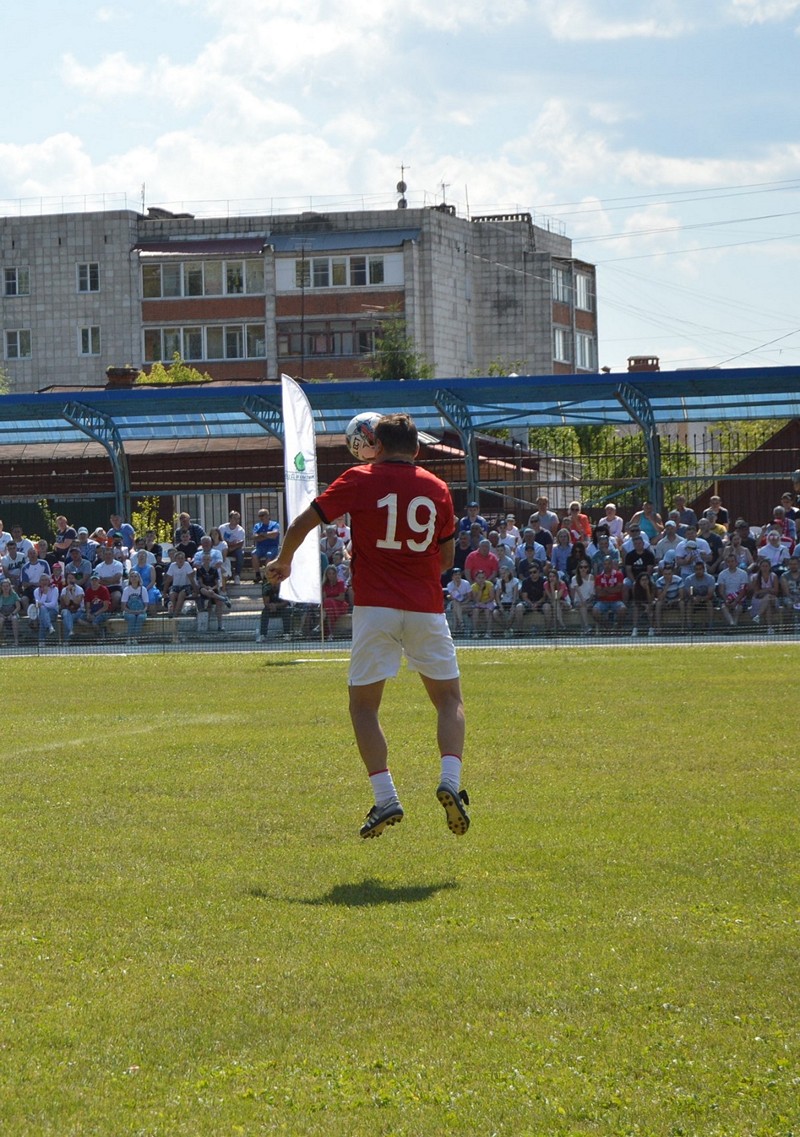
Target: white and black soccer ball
{"points": [[360, 435]]}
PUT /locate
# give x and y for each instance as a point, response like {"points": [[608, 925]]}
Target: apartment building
{"points": [[247, 298]]}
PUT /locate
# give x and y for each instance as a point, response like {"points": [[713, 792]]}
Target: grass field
{"points": [[194, 940]]}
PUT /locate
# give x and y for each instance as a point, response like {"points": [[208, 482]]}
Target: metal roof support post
{"points": [[457, 413], [641, 411], [102, 428], [266, 414]]}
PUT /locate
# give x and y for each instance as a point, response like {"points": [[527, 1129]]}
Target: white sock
{"points": [[451, 771], [383, 787]]}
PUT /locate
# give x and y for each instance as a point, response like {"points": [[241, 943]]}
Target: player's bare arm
{"points": [[281, 567]]}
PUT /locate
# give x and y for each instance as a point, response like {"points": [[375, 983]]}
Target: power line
{"points": [[685, 228]]}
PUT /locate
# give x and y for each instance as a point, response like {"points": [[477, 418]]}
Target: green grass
{"points": [[194, 941]]}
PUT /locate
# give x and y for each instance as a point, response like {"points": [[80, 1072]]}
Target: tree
{"points": [[147, 517], [172, 373], [395, 355]]}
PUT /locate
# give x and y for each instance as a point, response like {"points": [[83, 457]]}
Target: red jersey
{"points": [[613, 581], [400, 513]]}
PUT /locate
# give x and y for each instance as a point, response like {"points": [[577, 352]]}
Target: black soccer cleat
{"points": [[453, 803], [380, 817]]}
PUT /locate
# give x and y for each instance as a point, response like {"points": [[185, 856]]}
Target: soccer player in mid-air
{"points": [[403, 530]]}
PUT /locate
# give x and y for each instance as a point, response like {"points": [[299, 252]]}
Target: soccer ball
{"points": [[360, 435]]}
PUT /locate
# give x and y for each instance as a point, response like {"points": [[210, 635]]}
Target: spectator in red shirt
{"points": [[608, 590], [483, 560], [580, 527], [97, 605]]}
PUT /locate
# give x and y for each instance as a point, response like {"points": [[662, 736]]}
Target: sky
{"points": [[661, 136]]}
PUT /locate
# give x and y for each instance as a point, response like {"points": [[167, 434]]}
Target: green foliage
{"points": [[5, 381], [499, 367], [395, 355], [48, 518], [195, 942], [147, 517], [173, 373]]}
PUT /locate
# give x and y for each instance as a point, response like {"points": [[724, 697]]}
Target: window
{"points": [[233, 343], [562, 345], [256, 341], [234, 278], [332, 338], [224, 341], [192, 343], [254, 275], [151, 281], [89, 277], [584, 292], [561, 288], [193, 279], [339, 272], [17, 282], [212, 273], [171, 280], [18, 345], [89, 341], [586, 352], [202, 278]]}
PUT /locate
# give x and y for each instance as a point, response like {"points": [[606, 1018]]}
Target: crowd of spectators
{"points": [[697, 571], [84, 578], [615, 576]]}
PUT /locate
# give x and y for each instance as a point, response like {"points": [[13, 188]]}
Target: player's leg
{"points": [[445, 694], [365, 704]]}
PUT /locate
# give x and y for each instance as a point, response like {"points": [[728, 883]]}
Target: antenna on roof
{"points": [[402, 187]]}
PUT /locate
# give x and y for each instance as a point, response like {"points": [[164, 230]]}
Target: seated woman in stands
{"points": [[582, 592], [221, 546], [506, 594], [764, 595], [334, 602], [556, 601], [134, 605], [560, 552]]}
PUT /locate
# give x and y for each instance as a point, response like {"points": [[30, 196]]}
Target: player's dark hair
{"points": [[397, 434]]}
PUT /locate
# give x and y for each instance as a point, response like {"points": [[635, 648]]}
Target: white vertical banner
{"points": [[300, 466]]}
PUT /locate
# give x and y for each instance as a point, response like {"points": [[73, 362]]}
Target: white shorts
{"points": [[381, 636]]}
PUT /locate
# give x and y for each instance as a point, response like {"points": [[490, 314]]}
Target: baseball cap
{"points": [[472, 505], [691, 544], [670, 525], [83, 529]]}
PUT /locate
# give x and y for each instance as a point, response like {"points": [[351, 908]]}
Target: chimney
{"points": [[643, 363]]}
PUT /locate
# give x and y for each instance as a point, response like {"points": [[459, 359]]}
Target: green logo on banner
{"points": [[299, 463]]}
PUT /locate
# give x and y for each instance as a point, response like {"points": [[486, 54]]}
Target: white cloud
{"points": [[113, 75], [764, 11], [581, 20], [58, 165]]}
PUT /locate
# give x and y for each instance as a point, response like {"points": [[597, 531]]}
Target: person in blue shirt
{"points": [[471, 517], [266, 541]]}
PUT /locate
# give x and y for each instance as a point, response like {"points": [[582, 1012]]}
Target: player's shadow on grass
{"points": [[367, 893]]}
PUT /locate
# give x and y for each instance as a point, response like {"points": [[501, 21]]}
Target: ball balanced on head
{"points": [[360, 435]]}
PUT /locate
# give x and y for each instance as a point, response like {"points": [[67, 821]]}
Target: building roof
{"points": [[251, 246]]}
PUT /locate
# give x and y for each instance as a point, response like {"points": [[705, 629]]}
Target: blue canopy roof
{"points": [[489, 403]]}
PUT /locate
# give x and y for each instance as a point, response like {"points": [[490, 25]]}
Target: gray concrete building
{"points": [[247, 298]]}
